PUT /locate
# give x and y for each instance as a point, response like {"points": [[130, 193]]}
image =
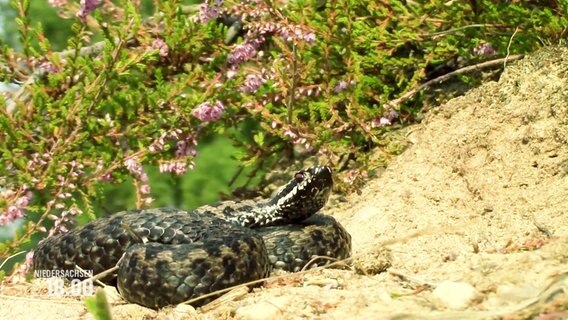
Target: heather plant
{"points": [[271, 75]]}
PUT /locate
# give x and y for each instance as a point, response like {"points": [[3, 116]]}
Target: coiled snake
{"points": [[172, 255]]}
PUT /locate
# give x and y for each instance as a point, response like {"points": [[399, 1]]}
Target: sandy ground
{"points": [[472, 219]]}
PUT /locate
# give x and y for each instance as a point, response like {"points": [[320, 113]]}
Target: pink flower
{"points": [[22, 202], [380, 122], [232, 73], [59, 222], [17, 210], [14, 213], [208, 11], [207, 112], [185, 149], [252, 83], [57, 3], [245, 51], [87, 6], [48, 67], [292, 34], [160, 45], [177, 167], [145, 189], [484, 49], [342, 85], [133, 166], [392, 115], [27, 265]]}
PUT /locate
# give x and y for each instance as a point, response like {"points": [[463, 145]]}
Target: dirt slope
{"points": [[474, 214]]}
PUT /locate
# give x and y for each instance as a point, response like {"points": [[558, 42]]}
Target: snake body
{"points": [[167, 256]]}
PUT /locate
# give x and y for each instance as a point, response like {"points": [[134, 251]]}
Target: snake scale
{"points": [[167, 256]]}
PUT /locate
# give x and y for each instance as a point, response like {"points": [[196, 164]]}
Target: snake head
{"points": [[304, 195], [300, 198]]}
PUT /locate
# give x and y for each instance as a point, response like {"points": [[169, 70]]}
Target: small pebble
{"points": [[181, 311], [374, 262], [264, 310], [507, 294], [326, 283], [455, 295], [112, 294]]}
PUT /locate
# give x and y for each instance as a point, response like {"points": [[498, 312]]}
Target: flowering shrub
{"points": [[313, 73]]}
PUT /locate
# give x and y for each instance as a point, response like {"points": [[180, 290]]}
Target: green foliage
{"points": [[98, 306], [132, 93]]}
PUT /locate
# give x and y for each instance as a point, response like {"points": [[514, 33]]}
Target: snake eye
{"points": [[299, 176]]}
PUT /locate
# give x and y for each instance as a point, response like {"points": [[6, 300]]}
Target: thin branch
{"points": [[293, 84], [509, 46], [445, 32], [10, 257], [396, 102]]}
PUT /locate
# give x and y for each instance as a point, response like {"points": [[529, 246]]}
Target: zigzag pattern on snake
{"points": [[170, 255]]}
